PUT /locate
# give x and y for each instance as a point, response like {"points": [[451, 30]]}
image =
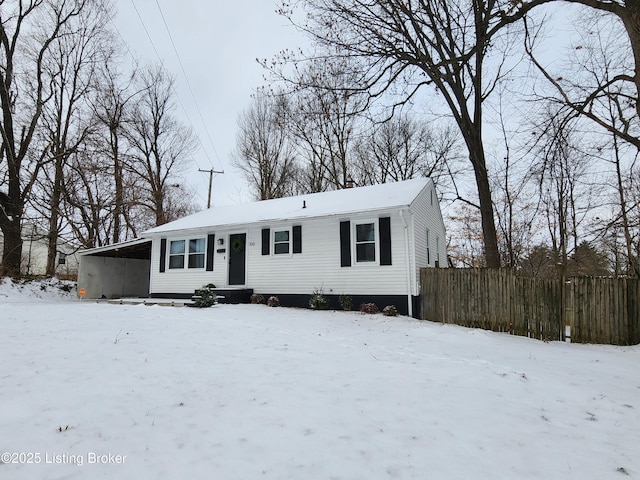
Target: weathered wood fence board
{"points": [[598, 310]]}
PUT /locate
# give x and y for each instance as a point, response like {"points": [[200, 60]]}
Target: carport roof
{"points": [[139, 248]]}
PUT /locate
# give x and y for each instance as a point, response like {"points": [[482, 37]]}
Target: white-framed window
{"points": [[438, 250], [197, 248], [176, 254], [282, 241], [194, 249], [428, 249], [366, 242]]}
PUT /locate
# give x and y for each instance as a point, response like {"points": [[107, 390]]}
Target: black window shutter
{"points": [[211, 245], [345, 244], [163, 254], [385, 240], [297, 239], [266, 238]]}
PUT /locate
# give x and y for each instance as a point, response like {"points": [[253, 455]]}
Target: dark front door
{"points": [[237, 258]]}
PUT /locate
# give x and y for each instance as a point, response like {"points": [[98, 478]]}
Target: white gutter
{"points": [[407, 263]]}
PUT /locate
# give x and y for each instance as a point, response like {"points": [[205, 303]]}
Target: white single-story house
{"points": [[366, 242]]}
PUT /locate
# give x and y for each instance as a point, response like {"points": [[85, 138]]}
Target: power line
{"points": [[184, 73], [144, 26], [186, 113]]}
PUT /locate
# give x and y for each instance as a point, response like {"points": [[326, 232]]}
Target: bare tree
{"points": [[101, 194], [83, 46], [27, 33], [111, 109], [621, 231], [628, 12], [264, 152], [564, 193], [465, 246], [411, 45], [514, 196], [402, 148], [623, 162], [88, 198], [323, 121], [592, 90], [161, 146], [593, 77]]}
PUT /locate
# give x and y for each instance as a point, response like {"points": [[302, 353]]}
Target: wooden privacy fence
{"points": [[597, 310]]}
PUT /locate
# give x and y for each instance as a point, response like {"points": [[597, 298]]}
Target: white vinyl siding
{"points": [[192, 274], [429, 230], [318, 266]]}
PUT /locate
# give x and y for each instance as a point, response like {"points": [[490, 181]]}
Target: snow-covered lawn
{"points": [[248, 392]]}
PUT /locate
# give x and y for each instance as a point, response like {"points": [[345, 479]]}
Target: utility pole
{"points": [[210, 172]]}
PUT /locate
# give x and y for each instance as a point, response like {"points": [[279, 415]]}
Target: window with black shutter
{"points": [[345, 244], [384, 224], [266, 240], [297, 239]]}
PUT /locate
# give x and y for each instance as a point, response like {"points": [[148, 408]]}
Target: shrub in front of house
{"points": [[346, 302], [369, 308], [257, 299], [205, 296], [390, 311], [273, 301], [318, 301]]}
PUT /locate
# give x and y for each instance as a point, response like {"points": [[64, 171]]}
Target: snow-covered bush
{"points": [[40, 288], [256, 299], [346, 302], [205, 297], [318, 301], [390, 311], [273, 301], [369, 308]]}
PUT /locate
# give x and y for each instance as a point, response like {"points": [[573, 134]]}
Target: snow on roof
{"points": [[337, 202]]}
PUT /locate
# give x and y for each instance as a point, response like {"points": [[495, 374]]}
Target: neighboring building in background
{"points": [[34, 254]]}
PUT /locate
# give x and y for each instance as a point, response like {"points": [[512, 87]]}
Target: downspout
{"points": [[407, 259]]}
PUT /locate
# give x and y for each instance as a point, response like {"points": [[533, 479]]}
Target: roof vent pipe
{"points": [[304, 204]]}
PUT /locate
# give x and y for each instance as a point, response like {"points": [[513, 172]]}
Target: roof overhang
{"points": [[139, 248]]}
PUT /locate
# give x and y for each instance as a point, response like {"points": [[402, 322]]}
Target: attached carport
{"points": [[116, 271]]}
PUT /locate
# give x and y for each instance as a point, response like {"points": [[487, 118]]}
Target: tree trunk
{"points": [[492, 256], [632, 264], [119, 188], [472, 134], [631, 21], [12, 249], [11, 215], [54, 233]]}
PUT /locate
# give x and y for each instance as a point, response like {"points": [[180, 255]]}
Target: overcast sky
{"points": [[217, 43]]}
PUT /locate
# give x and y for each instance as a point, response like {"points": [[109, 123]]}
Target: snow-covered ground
{"points": [[101, 391]]}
